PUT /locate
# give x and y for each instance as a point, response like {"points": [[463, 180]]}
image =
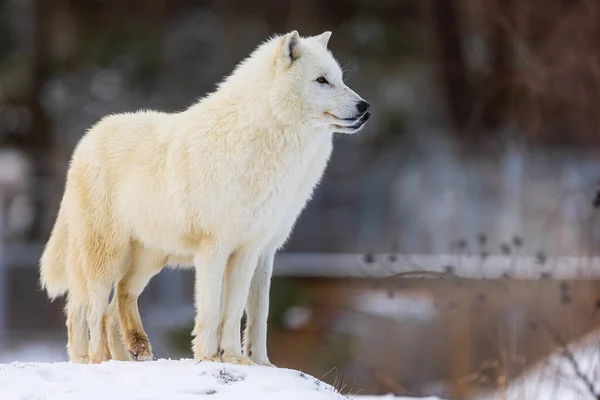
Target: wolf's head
{"points": [[307, 86]]}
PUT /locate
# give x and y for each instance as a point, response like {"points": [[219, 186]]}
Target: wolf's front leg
{"points": [[237, 285], [257, 311], [210, 262]]}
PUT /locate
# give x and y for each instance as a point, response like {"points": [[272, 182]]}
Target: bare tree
{"points": [[444, 24], [39, 142]]}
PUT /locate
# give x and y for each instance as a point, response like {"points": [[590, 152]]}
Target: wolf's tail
{"points": [[53, 277]]}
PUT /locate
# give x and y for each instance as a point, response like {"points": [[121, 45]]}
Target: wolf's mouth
{"points": [[357, 121], [361, 120]]}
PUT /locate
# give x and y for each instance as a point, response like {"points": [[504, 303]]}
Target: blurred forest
{"points": [[485, 133], [453, 82]]}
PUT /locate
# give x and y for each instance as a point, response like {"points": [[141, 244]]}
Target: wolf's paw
{"points": [[215, 359], [237, 360], [98, 358], [258, 360], [139, 346], [80, 359], [264, 363]]}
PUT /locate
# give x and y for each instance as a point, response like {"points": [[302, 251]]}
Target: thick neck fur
{"points": [[246, 96]]}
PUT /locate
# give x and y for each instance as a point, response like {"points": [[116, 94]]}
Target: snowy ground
{"points": [[553, 379], [560, 377], [161, 379]]}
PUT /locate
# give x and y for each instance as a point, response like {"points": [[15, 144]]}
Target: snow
{"points": [[37, 377], [555, 377], [160, 379], [391, 397]]}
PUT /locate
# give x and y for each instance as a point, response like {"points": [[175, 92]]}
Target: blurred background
{"points": [[444, 240]]}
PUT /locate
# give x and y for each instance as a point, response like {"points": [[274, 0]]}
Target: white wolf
{"points": [[219, 184]]}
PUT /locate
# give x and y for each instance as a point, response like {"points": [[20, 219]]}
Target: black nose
{"points": [[362, 106]]}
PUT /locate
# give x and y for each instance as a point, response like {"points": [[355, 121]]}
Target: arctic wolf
{"points": [[219, 185]]}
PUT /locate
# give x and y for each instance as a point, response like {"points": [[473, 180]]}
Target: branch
{"points": [[568, 354]]}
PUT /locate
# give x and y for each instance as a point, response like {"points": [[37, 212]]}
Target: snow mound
{"points": [[161, 379], [390, 397], [571, 375]]}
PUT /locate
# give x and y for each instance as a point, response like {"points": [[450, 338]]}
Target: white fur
{"points": [[221, 183]]}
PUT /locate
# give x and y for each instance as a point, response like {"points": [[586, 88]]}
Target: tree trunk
{"points": [[450, 61], [39, 141], [498, 85]]}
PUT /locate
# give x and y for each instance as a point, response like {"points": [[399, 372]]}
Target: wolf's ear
{"points": [[323, 38], [291, 46]]}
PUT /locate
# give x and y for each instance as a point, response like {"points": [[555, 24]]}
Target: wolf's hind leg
{"points": [[97, 323], [77, 331], [101, 263], [115, 333], [144, 265]]}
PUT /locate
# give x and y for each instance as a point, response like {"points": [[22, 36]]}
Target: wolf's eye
{"points": [[322, 80]]}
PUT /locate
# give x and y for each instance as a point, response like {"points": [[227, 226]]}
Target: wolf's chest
{"points": [[274, 186], [290, 186]]}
